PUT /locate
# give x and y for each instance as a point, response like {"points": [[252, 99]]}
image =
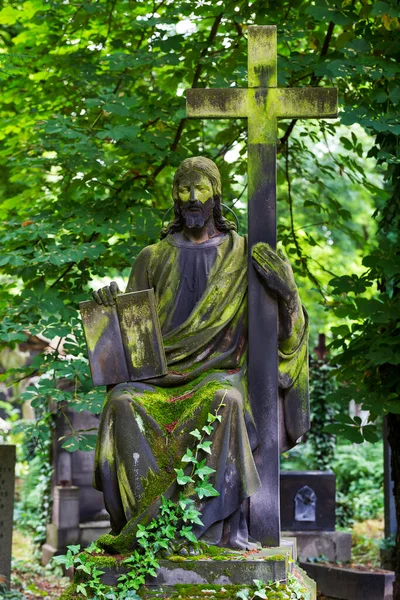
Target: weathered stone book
{"points": [[124, 341]]}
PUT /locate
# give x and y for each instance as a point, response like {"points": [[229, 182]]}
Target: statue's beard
{"points": [[196, 214]]}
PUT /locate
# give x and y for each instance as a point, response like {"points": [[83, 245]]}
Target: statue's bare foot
{"points": [[182, 548]]}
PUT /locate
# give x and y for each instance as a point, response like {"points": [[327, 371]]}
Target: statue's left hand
{"points": [[107, 294], [276, 272]]}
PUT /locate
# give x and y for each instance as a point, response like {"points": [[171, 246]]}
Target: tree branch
{"points": [[196, 78], [303, 259], [314, 81]]}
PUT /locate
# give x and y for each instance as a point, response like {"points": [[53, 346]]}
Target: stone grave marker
{"points": [[7, 482]]}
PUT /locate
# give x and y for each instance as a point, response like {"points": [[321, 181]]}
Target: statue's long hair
{"points": [[206, 167]]}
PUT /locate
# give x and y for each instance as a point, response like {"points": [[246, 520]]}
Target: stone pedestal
{"points": [[64, 527], [7, 481], [222, 571], [334, 545]]}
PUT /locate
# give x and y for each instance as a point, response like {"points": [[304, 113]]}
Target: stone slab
{"points": [[65, 513], [212, 572], [348, 584], [297, 487], [334, 545], [90, 532], [7, 483], [201, 591], [239, 568]]}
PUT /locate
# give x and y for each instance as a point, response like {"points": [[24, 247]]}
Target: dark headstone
{"points": [[390, 508], [308, 500], [7, 481]]}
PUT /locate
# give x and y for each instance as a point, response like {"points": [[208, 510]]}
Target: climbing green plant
{"points": [[322, 414], [293, 590], [174, 522]]}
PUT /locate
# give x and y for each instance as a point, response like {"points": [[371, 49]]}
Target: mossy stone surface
{"points": [[218, 567]]}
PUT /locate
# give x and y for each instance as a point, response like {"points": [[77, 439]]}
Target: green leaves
{"points": [[205, 490], [205, 446], [353, 429], [182, 479], [202, 470]]}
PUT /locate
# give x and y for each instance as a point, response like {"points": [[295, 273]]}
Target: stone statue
{"points": [[199, 274]]}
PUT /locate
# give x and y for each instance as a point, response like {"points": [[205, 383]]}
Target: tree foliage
{"points": [[93, 125]]}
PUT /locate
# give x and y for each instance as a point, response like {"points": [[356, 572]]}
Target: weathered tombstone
{"points": [[308, 501], [388, 552], [7, 483], [78, 513]]}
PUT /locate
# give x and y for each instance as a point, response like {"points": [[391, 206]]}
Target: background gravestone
{"points": [[78, 515], [308, 500], [7, 481]]}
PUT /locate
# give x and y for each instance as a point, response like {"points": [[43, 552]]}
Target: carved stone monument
{"points": [[7, 482], [234, 334]]}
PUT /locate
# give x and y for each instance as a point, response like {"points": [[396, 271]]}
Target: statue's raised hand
{"points": [[107, 294], [276, 272]]}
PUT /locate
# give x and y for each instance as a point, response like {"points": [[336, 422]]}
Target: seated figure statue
{"points": [[199, 275]]}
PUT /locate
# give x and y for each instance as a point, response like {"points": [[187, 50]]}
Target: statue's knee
{"points": [[120, 399], [232, 398]]}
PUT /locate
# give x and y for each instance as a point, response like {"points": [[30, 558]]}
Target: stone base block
{"points": [[219, 567], [48, 552], [349, 584], [236, 568], [334, 545], [199, 591], [91, 531]]}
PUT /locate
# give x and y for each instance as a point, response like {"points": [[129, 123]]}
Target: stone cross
{"points": [[262, 103]]}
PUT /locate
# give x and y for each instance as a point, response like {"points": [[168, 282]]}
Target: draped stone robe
{"points": [[201, 296]]}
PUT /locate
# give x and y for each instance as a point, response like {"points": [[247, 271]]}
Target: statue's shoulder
{"points": [[152, 252], [239, 241]]}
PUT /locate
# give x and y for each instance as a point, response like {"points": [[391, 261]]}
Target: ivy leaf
{"points": [[243, 594], [196, 433], [204, 471], [206, 490], [189, 457], [187, 533], [208, 429], [182, 479], [81, 588], [205, 446]]}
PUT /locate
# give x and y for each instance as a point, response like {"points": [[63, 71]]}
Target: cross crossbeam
{"points": [[262, 103]]}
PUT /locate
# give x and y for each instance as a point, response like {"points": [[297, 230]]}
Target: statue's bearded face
{"points": [[195, 197]]}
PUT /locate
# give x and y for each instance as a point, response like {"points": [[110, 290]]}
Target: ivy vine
{"points": [[174, 522]]}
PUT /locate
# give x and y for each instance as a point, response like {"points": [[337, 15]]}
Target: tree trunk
{"points": [[394, 441]]}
